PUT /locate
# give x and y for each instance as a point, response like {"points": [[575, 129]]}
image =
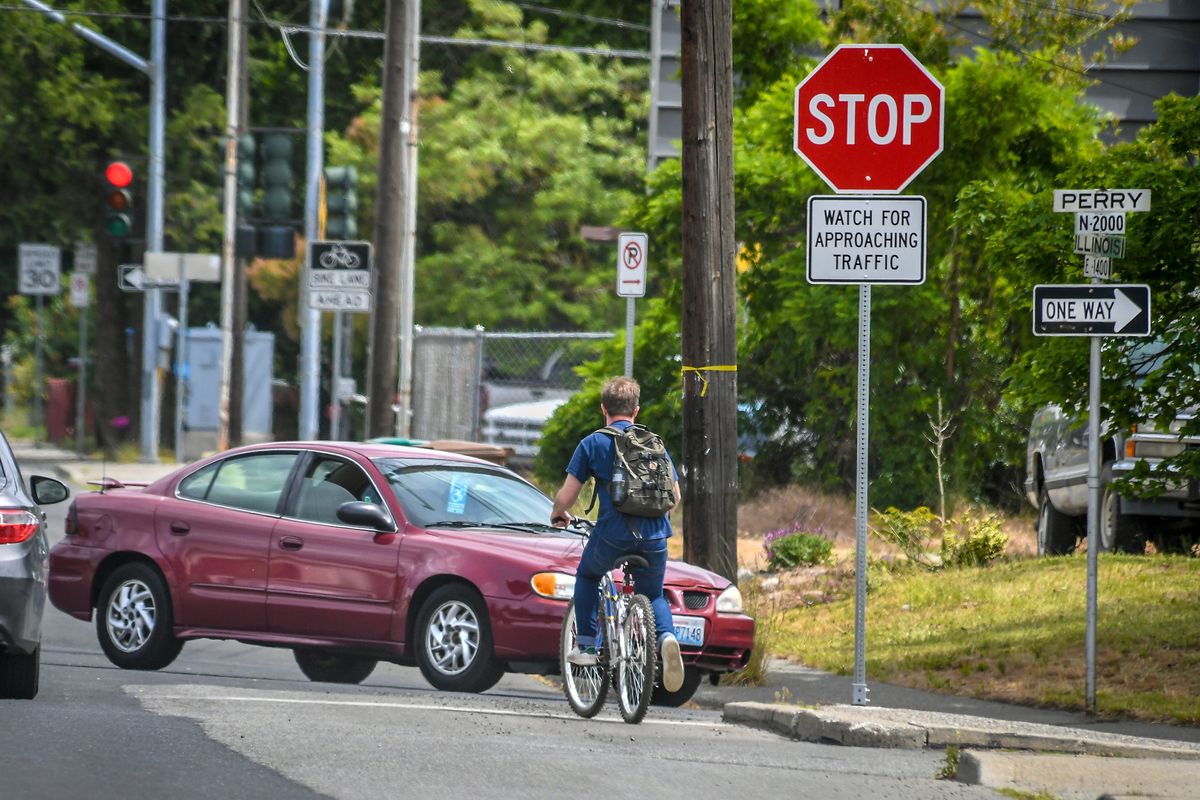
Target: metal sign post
{"points": [[80, 286], [862, 238], [40, 266], [340, 279], [1094, 310], [631, 283]]}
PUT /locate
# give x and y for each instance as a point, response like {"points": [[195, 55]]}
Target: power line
{"points": [[287, 30], [558, 12]]}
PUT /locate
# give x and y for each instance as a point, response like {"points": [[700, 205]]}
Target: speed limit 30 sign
{"points": [[40, 268]]}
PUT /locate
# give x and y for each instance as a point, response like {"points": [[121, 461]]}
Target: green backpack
{"points": [[649, 477]]}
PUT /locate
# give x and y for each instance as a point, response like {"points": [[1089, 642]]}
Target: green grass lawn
{"points": [[1014, 631]]}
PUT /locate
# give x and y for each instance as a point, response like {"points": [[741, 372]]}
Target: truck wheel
{"points": [[1055, 530], [1119, 532]]}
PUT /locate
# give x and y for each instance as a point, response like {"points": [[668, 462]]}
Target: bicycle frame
{"points": [[612, 610]]}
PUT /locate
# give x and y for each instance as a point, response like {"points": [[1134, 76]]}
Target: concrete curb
{"points": [[1074, 776], [864, 726]]}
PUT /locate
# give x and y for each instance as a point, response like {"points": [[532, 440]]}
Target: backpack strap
{"points": [[612, 431]]}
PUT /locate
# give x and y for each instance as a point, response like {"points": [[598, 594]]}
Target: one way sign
{"points": [[1091, 310]]}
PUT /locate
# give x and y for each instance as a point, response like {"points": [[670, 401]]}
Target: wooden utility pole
{"points": [[389, 228], [709, 322], [237, 387]]}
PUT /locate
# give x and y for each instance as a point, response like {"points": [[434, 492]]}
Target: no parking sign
{"points": [[631, 265]]}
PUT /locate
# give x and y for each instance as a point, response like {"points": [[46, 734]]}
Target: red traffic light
{"points": [[119, 174]]}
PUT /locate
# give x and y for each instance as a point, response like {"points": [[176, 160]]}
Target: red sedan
{"points": [[351, 554]]}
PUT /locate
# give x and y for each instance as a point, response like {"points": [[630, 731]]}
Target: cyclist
{"points": [[613, 537]]}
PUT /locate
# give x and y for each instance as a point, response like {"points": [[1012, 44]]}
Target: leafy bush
{"points": [[967, 541], [973, 541], [911, 531], [792, 547]]}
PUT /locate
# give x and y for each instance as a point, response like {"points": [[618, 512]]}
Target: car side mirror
{"points": [[365, 515], [46, 491]]}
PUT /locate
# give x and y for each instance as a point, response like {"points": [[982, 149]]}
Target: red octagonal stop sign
{"points": [[869, 118]]}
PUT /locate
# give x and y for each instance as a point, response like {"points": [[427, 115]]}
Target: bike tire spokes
{"points": [[634, 664], [586, 688]]}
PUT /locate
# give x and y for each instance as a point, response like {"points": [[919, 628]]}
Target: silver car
{"points": [[23, 552]]}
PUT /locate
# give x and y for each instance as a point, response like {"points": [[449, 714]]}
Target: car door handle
{"points": [[180, 528], [290, 543]]}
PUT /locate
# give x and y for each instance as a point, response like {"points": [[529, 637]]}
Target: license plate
{"points": [[689, 630]]}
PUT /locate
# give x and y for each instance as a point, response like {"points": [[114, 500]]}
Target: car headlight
{"points": [[730, 601], [556, 585]]}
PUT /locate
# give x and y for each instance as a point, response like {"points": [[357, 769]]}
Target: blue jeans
{"points": [[598, 557]]}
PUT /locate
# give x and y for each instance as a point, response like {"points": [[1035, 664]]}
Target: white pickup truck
{"points": [[1056, 484]]}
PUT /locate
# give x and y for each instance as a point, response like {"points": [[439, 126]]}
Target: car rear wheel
{"points": [[1055, 530], [326, 667], [691, 682], [134, 621], [19, 674], [1118, 532], [454, 641]]}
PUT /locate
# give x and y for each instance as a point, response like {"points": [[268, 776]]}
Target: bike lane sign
{"points": [[40, 269], [340, 276]]}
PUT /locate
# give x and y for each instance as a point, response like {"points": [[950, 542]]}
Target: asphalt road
{"points": [[231, 720]]}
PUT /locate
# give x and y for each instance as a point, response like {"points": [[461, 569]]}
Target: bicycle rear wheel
{"points": [[635, 660], [586, 688]]}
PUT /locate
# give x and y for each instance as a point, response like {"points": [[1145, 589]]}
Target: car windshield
{"points": [[463, 494]]}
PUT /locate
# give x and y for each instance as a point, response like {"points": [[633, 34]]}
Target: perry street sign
{"points": [[40, 266], [866, 239], [1076, 200], [1091, 310], [339, 276]]}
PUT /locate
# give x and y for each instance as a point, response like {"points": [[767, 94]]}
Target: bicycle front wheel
{"points": [[586, 688], [635, 659]]}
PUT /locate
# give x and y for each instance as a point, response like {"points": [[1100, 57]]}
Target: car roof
{"points": [[369, 450]]}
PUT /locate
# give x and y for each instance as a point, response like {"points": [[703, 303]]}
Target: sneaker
{"points": [[672, 663], [584, 657]]}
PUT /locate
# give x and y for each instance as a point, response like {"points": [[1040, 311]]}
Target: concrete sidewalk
{"points": [[67, 466]]}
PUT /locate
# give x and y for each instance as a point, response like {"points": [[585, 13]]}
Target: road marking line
{"points": [[419, 707]]}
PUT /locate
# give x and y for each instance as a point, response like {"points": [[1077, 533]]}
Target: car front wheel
{"points": [[133, 619], [325, 667], [691, 682], [454, 641]]}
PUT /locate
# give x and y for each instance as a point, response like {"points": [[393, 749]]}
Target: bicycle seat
{"points": [[633, 562]]}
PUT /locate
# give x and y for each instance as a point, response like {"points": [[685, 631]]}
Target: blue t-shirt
{"points": [[593, 457]]}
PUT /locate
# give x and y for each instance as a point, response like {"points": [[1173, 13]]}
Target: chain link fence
{"points": [[494, 386]]}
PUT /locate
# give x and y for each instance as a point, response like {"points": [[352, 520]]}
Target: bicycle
{"points": [[625, 645]]}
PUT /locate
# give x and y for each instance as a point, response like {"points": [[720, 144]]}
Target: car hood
{"points": [[561, 551]]}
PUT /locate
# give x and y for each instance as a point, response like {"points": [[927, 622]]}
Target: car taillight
{"points": [[71, 526], [16, 525]]}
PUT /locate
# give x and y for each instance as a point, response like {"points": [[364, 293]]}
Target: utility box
{"points": [[204, 388]]}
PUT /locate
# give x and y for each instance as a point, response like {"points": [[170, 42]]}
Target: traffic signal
{"points": [[277, 177], [276, 236], [246, 173], [244, 244], [341, 203], [118, 200]]}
